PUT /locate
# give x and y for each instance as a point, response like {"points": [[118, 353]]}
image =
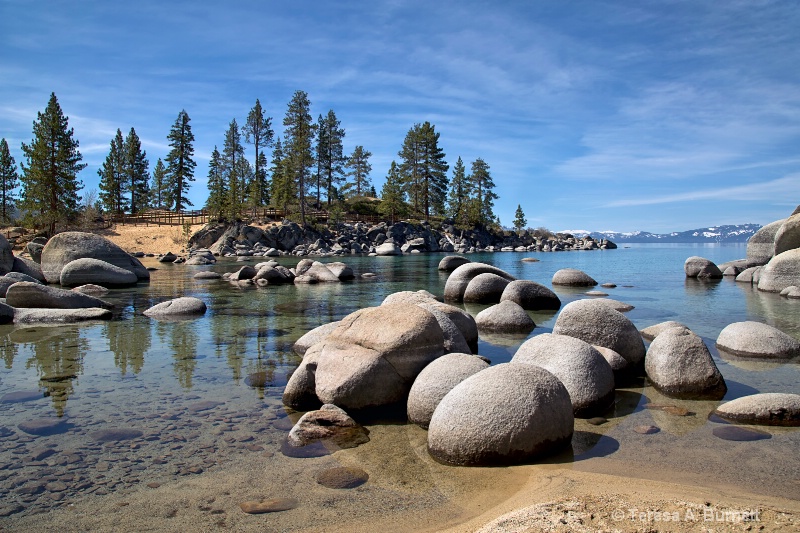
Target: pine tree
{"points": [[232, 172], [459, 194], [483, 196], [50, 182], [180, 165], [299, 136], [330, 155], [392, 195], [136, 172], [112, 177], [217, 189], [360, 167], [258, 131], [410, 166], [9, 179], [158, 186], [519, 219], [282, 188], [424, 169]]}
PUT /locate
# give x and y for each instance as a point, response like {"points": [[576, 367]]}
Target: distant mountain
{"points": [[726, 233]]}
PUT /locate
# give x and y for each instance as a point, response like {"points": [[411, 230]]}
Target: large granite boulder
{"points": [[761, 246], [409, 297], [463, 320], [701, 268], [757, 340], [436, 380], [788, 235], [29, 268], [506, 414], [329, 424], [370, 360], [70, 245], [452, 262], [596, 323], [314, 336], [454, 340], [89, 270], [679, 365], [341, 270], [60, 316], [388, 248], [505, 317], [485, 288], [321, 273], [651, 332], [531, 296], [766, 409], [572, 277], [585, 373], [782, 271], [749, 275], [36, 295], [244, 273], [6, 256], [459, 279], [185, 306]]}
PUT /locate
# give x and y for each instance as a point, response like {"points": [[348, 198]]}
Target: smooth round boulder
{"points": [[788, 235], [28, 267], [619, 365], [791, 291], [409, 297], [701, 268], [19, 276], [91, 290], [749, 275], [782, 271], [341, 270], [505, 317], [36, 295], [314, 336], [766, 409], [185, 306], [168, 257], [452, 262], [70, 245], [97, 272], [597, 323], [454, 340], [5, 283], [585, 373], [388, 248], [531, 296], [60, 316], [207, 274], [616, 305], [463, 320], [679, 365], [572, 277], [761, 246], [485, 288], [505, 414], [436, 380], [651, 332], [756, 340], [6, 256], [459, 279]]}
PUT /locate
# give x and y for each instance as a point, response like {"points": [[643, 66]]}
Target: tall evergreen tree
{"points": [[217, 188], [482, 203], [360, 167], [158, 186], [9, 179], [410, 166], [136, 172], [392, 195], [112, 177], [459, 194], [330, 155], [282, 187], [299, 137], [258, 131], [519, 219], [50, 182], [232, 171], [180, 165], [424, 169]]}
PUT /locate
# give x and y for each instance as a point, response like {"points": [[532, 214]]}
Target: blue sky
{"points": [[597, 115]]}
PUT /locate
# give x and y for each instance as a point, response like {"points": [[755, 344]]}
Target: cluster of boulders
{"points": [[272, 273], [85, 266], [289, 238], [772, 263]]}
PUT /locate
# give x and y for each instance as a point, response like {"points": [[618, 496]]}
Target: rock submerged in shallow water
{"points": [[60, 316], [342, 477], [531, 296], [679, 365], [584, 372], [572, 277], [485, 288], [436, 380], [115, 434], [505, 317], [314, 336], [272, 505], [701, 268], [757, 340], [98, 272], [35, 295], [767, 409], [330, 424], [44, 426], [739, 434], [185, 306], [505, 414]]}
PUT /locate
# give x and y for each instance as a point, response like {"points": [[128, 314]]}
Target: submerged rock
{"points": [[35, 295], [701, 268], [505, 317], [767, 409], [572, 277], [330, 424], [757, 340], [178, 307], [531, 296]]}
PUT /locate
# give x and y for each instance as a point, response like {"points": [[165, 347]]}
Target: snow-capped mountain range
{"points": [[726, 233]]}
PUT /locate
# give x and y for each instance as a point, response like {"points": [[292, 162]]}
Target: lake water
{"points": [[135, 401]]}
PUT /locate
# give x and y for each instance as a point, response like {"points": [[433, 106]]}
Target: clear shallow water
{"points": [[183, 393]]}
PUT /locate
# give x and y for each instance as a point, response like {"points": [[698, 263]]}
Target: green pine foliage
{"points": [[257, 131], [282, 186], [234, 172], [520, 222], [330, 156], [298, 139], [458, 199], [136, 172], [49, 180], [393, 203], [481, 205], [112, 177], [180, 165], [217, 188], [424, 169], [9, 179], [360, 167], [158, 186]]}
